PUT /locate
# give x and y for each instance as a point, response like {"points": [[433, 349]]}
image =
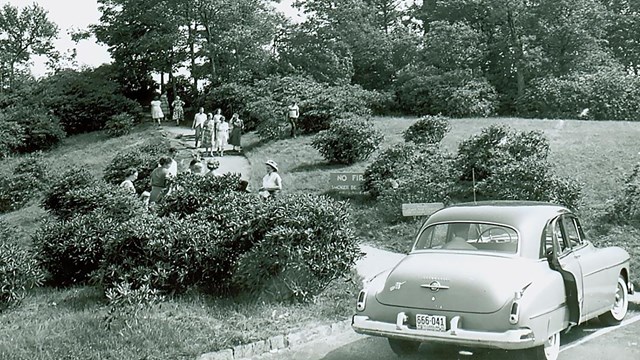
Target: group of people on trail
{"points": [[214, 133], [160, 109], [164, 174]]}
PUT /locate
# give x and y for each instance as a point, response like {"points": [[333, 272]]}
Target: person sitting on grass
{"points": [[271, 183]]}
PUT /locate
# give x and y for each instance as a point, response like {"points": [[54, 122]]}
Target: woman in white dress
{"points": [[156, 110], [271, 183], [222, 135]]}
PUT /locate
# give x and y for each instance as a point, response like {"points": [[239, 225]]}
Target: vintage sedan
{"points": [[505, 275]]}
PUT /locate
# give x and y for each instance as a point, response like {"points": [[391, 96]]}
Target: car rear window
{"points": [[468, 237]]}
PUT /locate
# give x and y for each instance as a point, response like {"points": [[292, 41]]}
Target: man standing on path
{"points": [[293, 112], [198, 123]]}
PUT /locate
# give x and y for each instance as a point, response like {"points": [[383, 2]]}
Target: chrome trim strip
{"points": [[558, 307], [604, 268], [429, 286]]}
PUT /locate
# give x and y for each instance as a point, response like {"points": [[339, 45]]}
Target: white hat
{"points": [[272, 164]]}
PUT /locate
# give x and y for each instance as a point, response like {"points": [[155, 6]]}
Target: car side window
{"points": [[571, 231], [563, 243]]}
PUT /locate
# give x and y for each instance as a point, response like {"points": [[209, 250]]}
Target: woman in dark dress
{"points": [[236, 132]]}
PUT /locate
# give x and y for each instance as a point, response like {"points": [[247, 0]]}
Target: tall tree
{"points": [[23, 33]]}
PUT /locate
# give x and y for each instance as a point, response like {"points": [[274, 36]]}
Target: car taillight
{"points": [[514, 314], [362, 299]]}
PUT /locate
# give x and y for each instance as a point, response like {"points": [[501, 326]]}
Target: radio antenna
{"points": [[473, 177]]}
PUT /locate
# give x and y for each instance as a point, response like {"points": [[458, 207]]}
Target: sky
{"points": [[79, 14]]}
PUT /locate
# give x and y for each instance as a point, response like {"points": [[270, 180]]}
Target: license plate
{"points": [[431, 322]]}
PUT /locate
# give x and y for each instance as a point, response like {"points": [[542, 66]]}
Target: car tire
{"points": [[404, 348], [620, 305], [548, 351]]}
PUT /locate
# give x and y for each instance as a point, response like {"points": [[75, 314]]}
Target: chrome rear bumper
{"points": [[508, 340]]}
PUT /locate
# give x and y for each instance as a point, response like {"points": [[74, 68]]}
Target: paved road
{"points": [[588, 341]]}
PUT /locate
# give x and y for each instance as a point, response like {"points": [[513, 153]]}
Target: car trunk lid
{"points": [[454, 282]]}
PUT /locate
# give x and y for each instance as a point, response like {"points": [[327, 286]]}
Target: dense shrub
{"points": [[143, 157], [72, 179], [348, 140], [530, 179], [119, 125], [385, 167], [113, 200], [309, 242], [609, 94], [225, 242], [625, 206], [72, 250], [428, 130], [19, 270], [497, 146], [29, 178], [40, 129], [264, 105], [427, 176], [84, 100], [11, 136], [194, 192], [456, 93]]}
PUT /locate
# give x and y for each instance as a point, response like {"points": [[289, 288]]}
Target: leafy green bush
{"points": [[144, 158], [530, 179], [609, 94], [119, 125], [11, 136], [40, 129], [625, 206], [84, 100], [264, 105], [29, 178], [19, 270], [17, 190], [113, 200], [72, 250], [426, 176], [497, 146], [348, 140], [380, 172], [194, 192], [428, 130], [308, 243], [225, 242], [455, 93], [55, 197]]}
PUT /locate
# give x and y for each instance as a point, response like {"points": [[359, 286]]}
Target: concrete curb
{"points": [[277, 343]]}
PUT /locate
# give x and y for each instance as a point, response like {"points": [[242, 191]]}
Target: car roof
{"points": [[529, 218]]}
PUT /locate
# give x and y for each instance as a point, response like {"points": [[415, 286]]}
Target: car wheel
{"points": [[548, 351], [404, 348], [620, 305]]}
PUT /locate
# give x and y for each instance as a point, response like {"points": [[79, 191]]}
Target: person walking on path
{"points": [[160, 180], [222, 135], [156, 111], [164, 105], [237, 126], [271, 183], [208, 135], [198, 122], [293, 113], [178, 110], [217, 118]]}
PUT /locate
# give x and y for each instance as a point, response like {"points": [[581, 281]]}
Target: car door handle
{"points": [[577, 256]]}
